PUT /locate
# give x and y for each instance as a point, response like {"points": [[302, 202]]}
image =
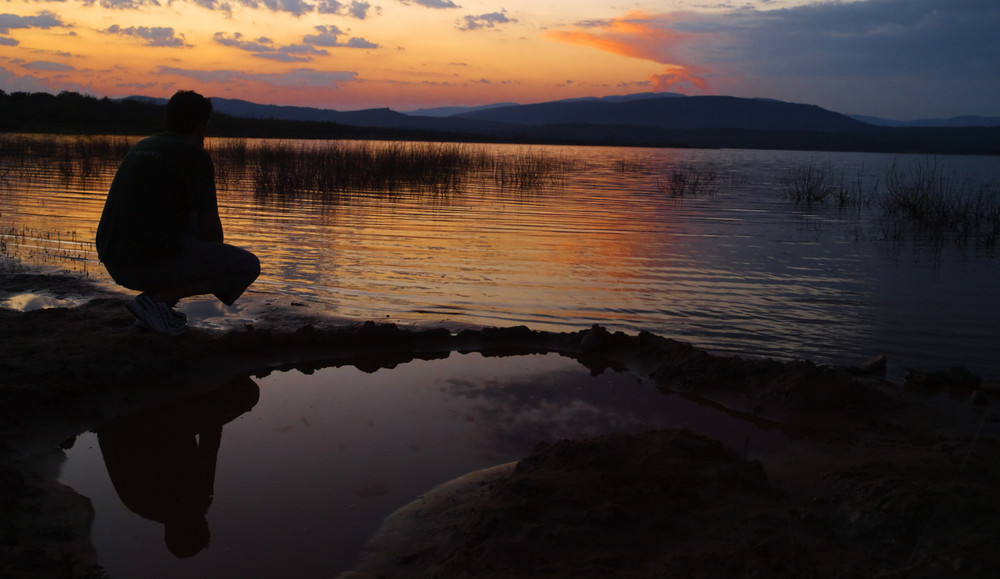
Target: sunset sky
{"points": [[900, 59]]}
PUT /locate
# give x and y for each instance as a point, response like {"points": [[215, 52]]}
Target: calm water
{"points": [[744, 271], [308, 465]]}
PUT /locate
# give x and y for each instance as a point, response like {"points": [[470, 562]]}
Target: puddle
{"points": [[309, 464], [27, 302], [209, 313]]}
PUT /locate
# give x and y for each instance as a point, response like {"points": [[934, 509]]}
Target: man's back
{"points": [[161, 181]]}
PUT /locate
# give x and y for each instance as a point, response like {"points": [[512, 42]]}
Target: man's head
{"points": [[188, 112]]}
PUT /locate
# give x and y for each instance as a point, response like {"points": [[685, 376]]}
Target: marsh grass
{"points": [[331, 169], [70, 160], [290, 169], [523, 171], [922, 200]]}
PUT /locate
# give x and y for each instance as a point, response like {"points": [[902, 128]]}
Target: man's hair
{"points": [[186, 110]]}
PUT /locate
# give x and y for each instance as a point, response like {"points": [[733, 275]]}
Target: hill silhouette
{"points": [[699, 112], [630, 120]]}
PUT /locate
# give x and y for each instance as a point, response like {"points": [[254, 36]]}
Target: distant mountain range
{"points": [[656, 119], [661, 110]]}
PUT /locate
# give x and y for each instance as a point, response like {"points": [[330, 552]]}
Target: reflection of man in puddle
{"points": [[162, 461]]}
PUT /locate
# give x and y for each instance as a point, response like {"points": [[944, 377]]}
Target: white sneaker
{"points": [[157, 316], [178, 316]]}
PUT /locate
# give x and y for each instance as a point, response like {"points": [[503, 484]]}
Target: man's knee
{"points": [[250, 264]]}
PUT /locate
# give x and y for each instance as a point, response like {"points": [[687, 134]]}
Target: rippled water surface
{"points": [[745, 270]]}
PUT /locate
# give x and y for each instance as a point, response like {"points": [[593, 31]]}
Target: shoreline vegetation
{"points": [[74, 113]]}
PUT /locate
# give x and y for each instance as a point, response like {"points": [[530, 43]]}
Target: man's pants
{"points": [[227, 269]]}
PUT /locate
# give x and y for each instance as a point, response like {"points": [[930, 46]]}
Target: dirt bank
{"points": [[882, 479]]}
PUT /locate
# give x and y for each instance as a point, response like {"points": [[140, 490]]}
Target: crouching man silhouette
{"points": [[160, 232]]}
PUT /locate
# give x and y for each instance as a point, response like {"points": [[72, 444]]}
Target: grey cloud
{"points": [[599, 23], [355, 9], [303, 49], [298, 77], [431, 3], [7, 41], [264, 47], [42, 20], [123, 4], [11, 82], [309, 77], [283, 57], [330, 36], [893, 58], [222, 6], [138, 85], [294, 53], [327, 36], [877, 36], [153, 36], [357, 42], [262, 44], [221, 76], [296, 7], [490, 20], [48, 66]]}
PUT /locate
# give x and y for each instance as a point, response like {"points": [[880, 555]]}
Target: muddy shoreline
{"points": [[890, 479]]}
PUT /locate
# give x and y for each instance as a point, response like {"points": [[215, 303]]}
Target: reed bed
{"points": [[524, 170], [290, 169], [922, 199], [78, 160], [336, 168]]}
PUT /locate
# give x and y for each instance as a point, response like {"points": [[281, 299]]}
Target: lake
{"points": [[739, 267], [297, 469]]}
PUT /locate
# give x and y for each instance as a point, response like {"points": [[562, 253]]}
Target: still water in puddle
{"points": [[742, 270], [308, 464]]}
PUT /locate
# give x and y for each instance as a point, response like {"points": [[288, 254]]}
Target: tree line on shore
{"points": [[75, 113]]}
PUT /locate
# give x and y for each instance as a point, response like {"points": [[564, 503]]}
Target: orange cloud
{"points": [[676, 77], [638, 35]]}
